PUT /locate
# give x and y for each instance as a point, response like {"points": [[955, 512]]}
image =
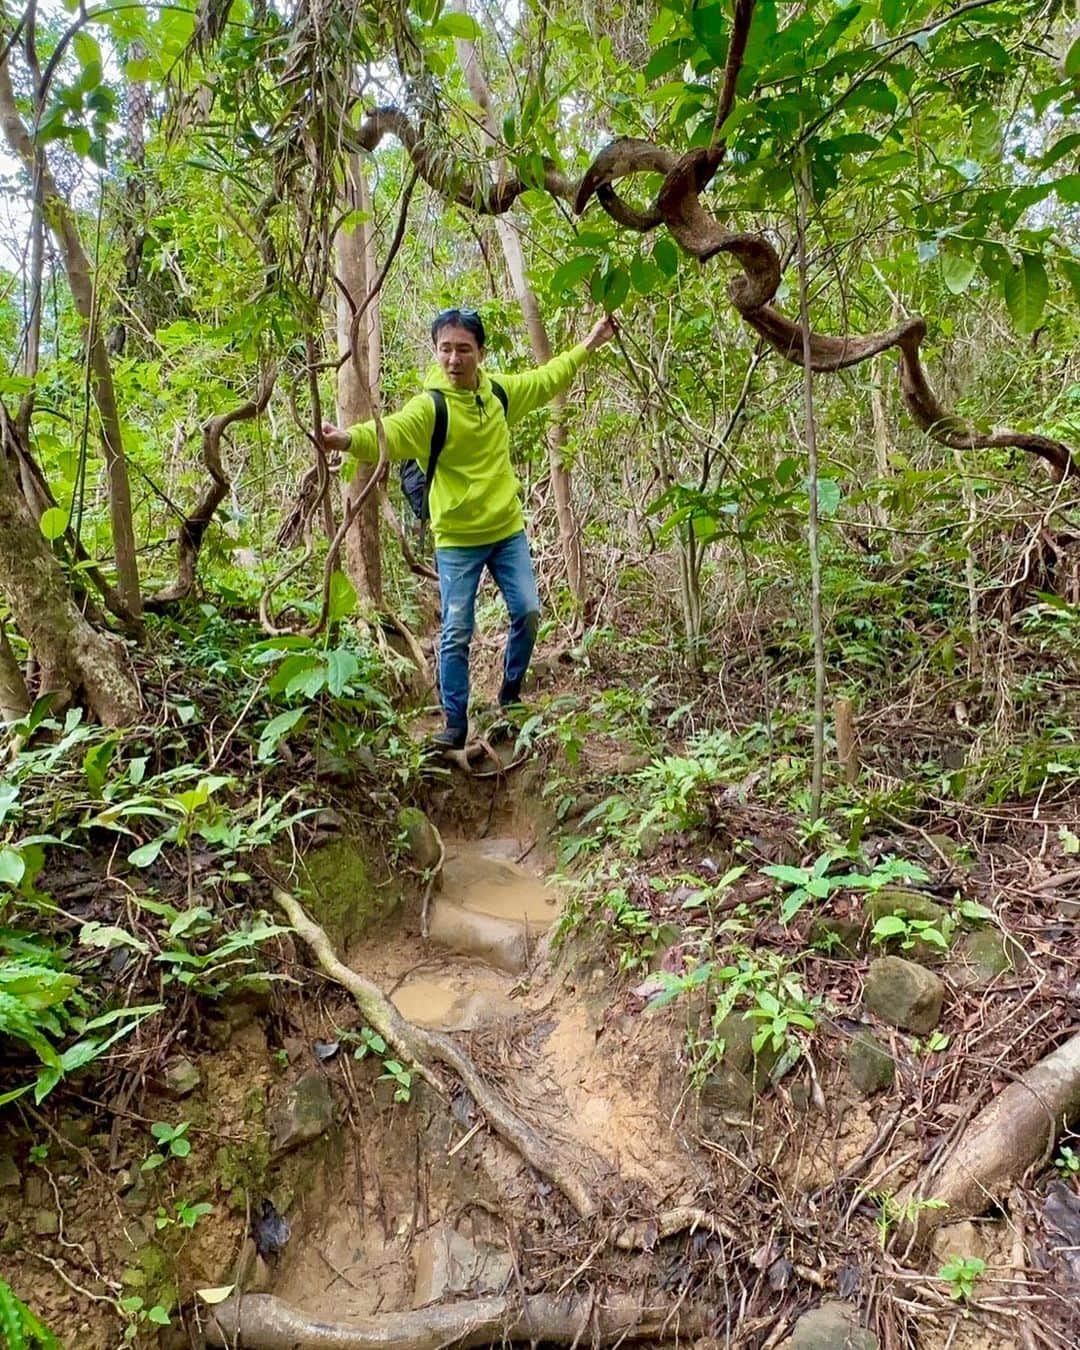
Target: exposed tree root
{"points": [[1015, 1132], [425, 1048], [263, 1322]]}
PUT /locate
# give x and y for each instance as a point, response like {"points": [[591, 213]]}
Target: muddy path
{"points": [[346, 1201]]}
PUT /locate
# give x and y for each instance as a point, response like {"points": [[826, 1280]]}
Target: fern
{"points": [[19, 1328]]}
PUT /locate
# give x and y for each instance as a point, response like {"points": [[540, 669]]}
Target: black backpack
{"points": [[414, 482]]}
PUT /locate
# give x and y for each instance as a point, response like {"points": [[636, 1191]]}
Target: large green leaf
{"points": [[957, 269], [1026, 292]]}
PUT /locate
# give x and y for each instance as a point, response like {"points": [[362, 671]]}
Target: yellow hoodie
{"points": [[475, 493]]}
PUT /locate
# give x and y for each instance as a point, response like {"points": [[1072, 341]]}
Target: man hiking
{"points": [[457, 430]]}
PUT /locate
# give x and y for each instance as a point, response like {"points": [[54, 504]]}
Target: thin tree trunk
{"points": [[61, 220], [569, 531], [357, 381], [72, 656], [816, 620]]}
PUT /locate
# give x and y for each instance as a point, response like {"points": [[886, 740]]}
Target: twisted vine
{"points": [[678, 206]]}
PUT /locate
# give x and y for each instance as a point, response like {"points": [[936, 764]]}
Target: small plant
{"points": [[910, 931], [138, 1312], [892, 1211], [371, 1042], [1067, 1162], [187, 1215], [398, 1074], [934, 1043], [19, 1328], [172, 1142], [962, 1274]]}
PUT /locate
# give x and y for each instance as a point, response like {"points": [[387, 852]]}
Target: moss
{"points": [[340, 893], [243, 1167]]}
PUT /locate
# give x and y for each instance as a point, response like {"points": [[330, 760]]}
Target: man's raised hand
{"points": [[333, 438], [602, 331]]}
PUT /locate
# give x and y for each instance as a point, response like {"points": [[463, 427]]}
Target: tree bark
{"points": [[73, 657], [61, 221], [357, 380], [510, 239], [14, 699]]}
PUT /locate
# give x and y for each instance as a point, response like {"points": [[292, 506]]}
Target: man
{"points": [[474, 504]]}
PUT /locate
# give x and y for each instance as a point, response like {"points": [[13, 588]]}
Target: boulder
{"points": [[738, 1031], [910, 904], [449, 1263], [833, 1326], [904, 994], [870, 1066], [421, 837], [505, 944], [306, 1112], [980, 957]]}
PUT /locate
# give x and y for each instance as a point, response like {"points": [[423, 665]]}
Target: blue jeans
{"points": [[460, 570]]}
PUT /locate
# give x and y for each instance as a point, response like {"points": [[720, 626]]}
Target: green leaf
{"points": [[643, 274], [1026, 291], [457, 26], [1068, 189], [890, 925], [1072, 61], [711, 27], [342, 597], [793, 876], [53, 523], [985, 135], [12, 867], [146, 853], [276, 730], [829, 495], [86, 49], [569, 275], [158, 1315], [957, 270], [666, 256]]}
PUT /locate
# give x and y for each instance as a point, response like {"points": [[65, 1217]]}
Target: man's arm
{"points": [[534, 388], [408, 433]]}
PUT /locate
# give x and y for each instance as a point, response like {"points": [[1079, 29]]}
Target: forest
{"points": [[717, 985]]}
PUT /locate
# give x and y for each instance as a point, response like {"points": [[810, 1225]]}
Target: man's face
{"points": [[459, 355]]}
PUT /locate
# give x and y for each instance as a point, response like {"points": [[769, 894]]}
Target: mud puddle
{"points": [[486, 878]]}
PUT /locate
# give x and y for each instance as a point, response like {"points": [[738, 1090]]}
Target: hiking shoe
{"points": [[450, 738], [510, 694]]}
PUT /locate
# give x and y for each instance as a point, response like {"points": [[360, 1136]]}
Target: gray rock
{"points": [[904, 994], [870, 1066], [10, 1176], [631, 763], [46, 1223], [833, 1326], [910, 904], [980, 957], [306, 1112], [181, 1078], [726, 1092], [738, 1032], [448, 1263], [421, 837], [502, 943]]}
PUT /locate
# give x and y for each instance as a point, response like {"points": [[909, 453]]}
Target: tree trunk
{"points": [[72, 656], [61, 221], [357, 380], [569, 531], [14, 700]]}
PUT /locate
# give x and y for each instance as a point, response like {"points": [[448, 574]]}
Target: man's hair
{"points": [[458, 318]]}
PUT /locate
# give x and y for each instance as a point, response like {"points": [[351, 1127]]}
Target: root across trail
{"points": [[425, 1049], [262, 1322]]}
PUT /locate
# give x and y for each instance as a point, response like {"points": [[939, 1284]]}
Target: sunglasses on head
{"points": [[456, 309]]}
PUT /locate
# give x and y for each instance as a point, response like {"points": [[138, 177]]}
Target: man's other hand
{"points": [[333, 438], [602, 332]]}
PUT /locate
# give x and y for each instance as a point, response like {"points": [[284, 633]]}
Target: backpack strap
{"points": [[438, 440], [500, 394]]}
